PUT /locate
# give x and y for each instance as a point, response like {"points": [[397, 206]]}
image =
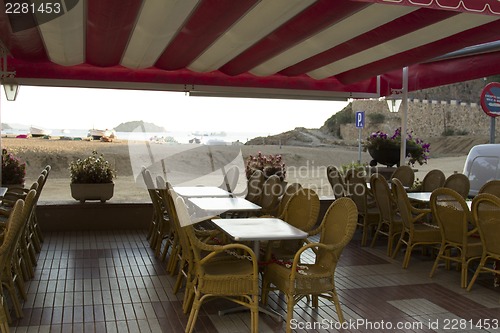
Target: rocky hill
{"points": [[132, 125]]}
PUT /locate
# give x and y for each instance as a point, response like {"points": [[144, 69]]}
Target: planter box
{"points": [[83, 192]]}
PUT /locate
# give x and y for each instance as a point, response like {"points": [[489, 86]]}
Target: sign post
{"points": [[490, 102], [360, 124]]}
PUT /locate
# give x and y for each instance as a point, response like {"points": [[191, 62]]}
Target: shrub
{"points": [[91, 170], [376, 118], [13, 169]]}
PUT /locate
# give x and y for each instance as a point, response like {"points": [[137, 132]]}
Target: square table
{"points": [[420, 196], [255, 230], [201, 191], [224, 204], [3, 190]]}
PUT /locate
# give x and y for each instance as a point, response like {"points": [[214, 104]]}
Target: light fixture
{"points": [[394, 104], [11, 87]]}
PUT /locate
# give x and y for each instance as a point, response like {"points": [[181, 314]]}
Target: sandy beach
{"points": [[187, 164]]}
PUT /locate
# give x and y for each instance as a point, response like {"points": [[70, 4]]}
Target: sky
{"points": [[85, 108]]}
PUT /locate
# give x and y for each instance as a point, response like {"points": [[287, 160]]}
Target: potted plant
{"points": [[384, 149], [13, 170], [92, 178], [268, 164]]}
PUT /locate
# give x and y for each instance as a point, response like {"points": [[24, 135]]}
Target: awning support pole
{"points": [[404, 116]]}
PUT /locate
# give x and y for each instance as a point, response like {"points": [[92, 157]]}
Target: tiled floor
{"points": [[110, 282]]}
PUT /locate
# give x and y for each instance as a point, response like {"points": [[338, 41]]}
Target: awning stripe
{"points": [[158, 22], [314, 19], [204, 26], [372, 17], [109, 26], [264, 18]]}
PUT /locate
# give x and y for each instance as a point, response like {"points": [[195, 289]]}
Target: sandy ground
{"points": [[187, 164]]}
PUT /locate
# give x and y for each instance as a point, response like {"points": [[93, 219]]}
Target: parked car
{"points": [[482, 164]]}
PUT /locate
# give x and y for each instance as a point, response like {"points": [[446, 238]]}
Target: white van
{"points": [[482, 165]]}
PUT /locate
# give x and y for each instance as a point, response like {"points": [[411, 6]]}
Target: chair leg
{"points": [[377, 231], [289, 312], [335, 298], [478, 270], [254, 310], [194, 313], [436, 262], [406, 260]]}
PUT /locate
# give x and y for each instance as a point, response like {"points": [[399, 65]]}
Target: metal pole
{"points": [[492, 129], [404, 116], [359, 146]]}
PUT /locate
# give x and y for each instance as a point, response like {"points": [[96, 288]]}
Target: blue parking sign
{"points": [[360, 119]]}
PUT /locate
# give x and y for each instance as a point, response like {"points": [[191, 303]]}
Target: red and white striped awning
{"points": [[323, 48]]}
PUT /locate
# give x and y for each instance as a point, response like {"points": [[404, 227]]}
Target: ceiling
{"points": [[320, 49]]}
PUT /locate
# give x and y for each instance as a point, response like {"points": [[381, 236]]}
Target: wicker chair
{"points": [[458, 182], [230, 179], [235, 279], [302, 212], [368, 213], [389, 224], [7, 249], [318, 278], [491, 187], [150, 186], [336, 181], [433, 180], [271, 193], [290, 190], [254, 187], [414, 231], [405, 175], [486, 216], [453, 217]]}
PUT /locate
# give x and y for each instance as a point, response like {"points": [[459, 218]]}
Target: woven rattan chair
{"points": [[432, 180], [415, 231], [459, 183], [486, 216], [302, 212], [450, 211], [230, 179], [7, 250], [290, 190], [235, 279], [336, 181], [271, 193], [491, 187], [150, 187], [368, 213], [405, 175], [318, 278], [389, 224], [254, 187]]}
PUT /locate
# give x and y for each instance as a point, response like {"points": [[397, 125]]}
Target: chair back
{"points": [[458, 182], [403, 203], [491, 187], [337, 229], [13, 230], [271, 192], [451, 212], [383, 197], [254, 187], [336, 181], [433, 180], [405, 175], [486, 216], [230, 179], [290, 190], [302, 209]]}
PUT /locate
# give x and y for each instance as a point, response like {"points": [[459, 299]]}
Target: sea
{"points": [[169, 137]]}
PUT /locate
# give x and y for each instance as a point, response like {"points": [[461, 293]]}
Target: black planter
{"points": [[387, 155]]}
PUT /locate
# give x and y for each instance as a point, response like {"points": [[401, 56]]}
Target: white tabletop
{"points": [[201, 191], [420, 196], [257, 229], [3, 190], [224, 204]]}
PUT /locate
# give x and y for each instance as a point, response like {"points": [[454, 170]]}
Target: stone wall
{"points": [[426, 118]]}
